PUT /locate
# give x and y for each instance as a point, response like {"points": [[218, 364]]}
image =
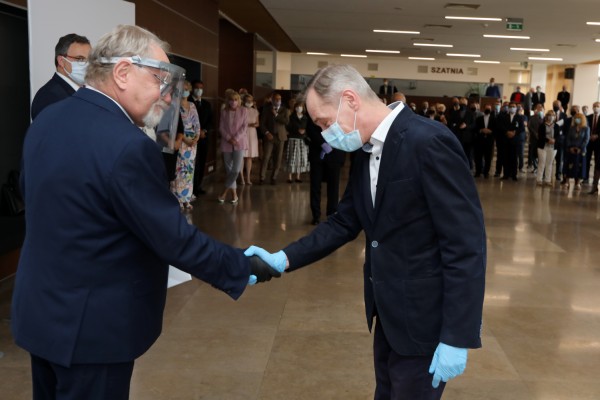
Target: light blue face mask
{"points": [[338, 139]]}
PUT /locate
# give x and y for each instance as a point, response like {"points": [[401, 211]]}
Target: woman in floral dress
{"points": [[183, 184]]}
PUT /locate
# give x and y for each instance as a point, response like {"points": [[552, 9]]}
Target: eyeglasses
{"points": [[163, 81], [169, 75], [78, 59]]}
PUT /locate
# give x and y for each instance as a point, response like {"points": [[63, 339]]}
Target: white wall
{"points": [[50, 19], [389, 67], [585, 85]]}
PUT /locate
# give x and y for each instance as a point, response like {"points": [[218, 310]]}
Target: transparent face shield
{"points": [[171, 78]]}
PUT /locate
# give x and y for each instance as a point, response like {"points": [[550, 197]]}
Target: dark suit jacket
{"points": [[424, 268], [564, 98], [274, 124], [102, 227], [204, 113], [387, 91], [480, 124], [590, 121], [538, 98], [517, 124], [54, 90], [456, 119], [493, 91]]}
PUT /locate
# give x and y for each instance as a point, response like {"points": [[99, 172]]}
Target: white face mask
{"points": [[596, 110], [249, 105], [198, 92], [78, 70], [299, 110]]}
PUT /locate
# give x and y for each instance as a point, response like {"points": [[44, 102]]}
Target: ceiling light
{"points": [[474, 18], [384, 51], [506, 37], [354, 55], [312, 53], [422, 58], [593, 23], [462, 55], [526, 49], [403, 32], [598, 40], [546, 58], [433, 45], [486, 62]]}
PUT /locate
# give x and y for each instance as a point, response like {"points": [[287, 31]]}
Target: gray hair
{"points": [[329, 82], [123, 41]]}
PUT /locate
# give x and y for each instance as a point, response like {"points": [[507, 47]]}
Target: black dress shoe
{"points": [[593, 191]]}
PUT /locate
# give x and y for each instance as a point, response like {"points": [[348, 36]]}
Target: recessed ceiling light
{"points": [[433, 45], [463, 55], [598, 40], [473, 18], [486, 62], [312, 53], [384, 51], [506, 37], [546, 58], [527, 49], [403, 32], [353, 55], [593, 23], [422, 58]]}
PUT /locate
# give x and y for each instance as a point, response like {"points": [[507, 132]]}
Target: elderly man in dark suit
{"points": [[412, 194], [71, 60], [485, 130], [102, 228]]}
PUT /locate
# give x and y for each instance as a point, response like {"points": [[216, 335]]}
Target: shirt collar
{"points": [[113, 100], [378, 137], [69, 81]]}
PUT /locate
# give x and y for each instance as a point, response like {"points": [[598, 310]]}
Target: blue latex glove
{"points": [[448, 362], [326, 149], [276, 260]]}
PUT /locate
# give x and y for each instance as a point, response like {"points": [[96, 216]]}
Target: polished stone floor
{"points": [[304, 336]]}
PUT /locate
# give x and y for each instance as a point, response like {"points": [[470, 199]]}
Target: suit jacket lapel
{"points": [[391, 147]]}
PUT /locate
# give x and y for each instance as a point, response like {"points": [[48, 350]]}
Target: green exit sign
{"points": [[514, 24]]}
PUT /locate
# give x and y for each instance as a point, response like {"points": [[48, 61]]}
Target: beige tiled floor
{"points": [[304, 336]]}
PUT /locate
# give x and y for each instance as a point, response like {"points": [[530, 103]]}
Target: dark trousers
{"points": [[521, 149], [592, 151], [401, 377], [330, 173], [80, 381], [532, 157], [510, 158], [500, 148], [201, 153], [560, 156], [484, 149]]}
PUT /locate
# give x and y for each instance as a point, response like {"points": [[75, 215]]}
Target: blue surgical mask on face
{"points": [[338, 139], [578, 121], [497, 107], [186, 94], [512, 110], [78, 70]]}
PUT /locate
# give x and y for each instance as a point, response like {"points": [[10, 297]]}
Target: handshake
{"points": [[264, 265]]}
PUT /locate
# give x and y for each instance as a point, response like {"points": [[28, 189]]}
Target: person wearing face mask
{"points": [[297, 150], [576, 142], [234, 142], [183, 184], [593, 147], [499, 138], [205, 116], [533, 127], [548, 134], [513, 129], [485, 127], [412, 195], [462, 122], [71, 60], [273, 122], [559, 119], [252, 122]]}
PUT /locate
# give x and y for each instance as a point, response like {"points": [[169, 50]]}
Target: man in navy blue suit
{"points": [[102, 228], [70, 59], [412, 194]]}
